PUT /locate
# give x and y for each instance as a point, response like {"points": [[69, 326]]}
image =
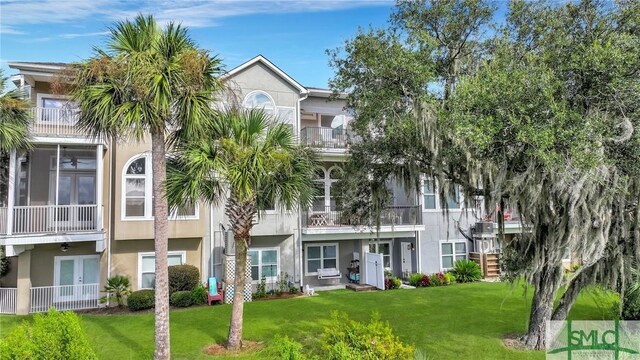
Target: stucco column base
{"points": [[23, 303]]}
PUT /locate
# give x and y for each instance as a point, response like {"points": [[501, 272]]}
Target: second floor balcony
{"points": [[50, 219], [331, 217], [326, 137], [59, 122]]}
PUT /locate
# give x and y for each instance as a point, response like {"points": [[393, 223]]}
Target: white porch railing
{"points": [[51, 219], [51, 121], [8, 300], [65, 297]]}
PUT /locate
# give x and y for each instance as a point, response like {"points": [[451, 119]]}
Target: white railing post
{"points": [[11, 191]]}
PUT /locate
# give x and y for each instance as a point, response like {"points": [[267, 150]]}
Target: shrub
{"points": [[141, 300], [183, 278], [261, 291], [181, 299], [199, 295], [467, 271], [449, 278], [437, 279], [55, 335], [414, 279], [117, 287], [425, 281], [631, 306], [392, 283], [346, 339], [286, 349], [4, 262]]}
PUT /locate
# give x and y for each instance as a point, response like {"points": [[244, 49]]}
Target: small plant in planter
{"points": [[117, 287]]}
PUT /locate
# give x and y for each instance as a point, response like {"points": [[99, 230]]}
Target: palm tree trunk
{"points": [[160, 230], [241, 219], [234, 341]]}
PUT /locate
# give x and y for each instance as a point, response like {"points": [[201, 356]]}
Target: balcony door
{"points": [[76, 195], [76, 277]]}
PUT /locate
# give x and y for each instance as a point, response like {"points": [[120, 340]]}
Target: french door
{"points": [[71, 271], [74, 189]]}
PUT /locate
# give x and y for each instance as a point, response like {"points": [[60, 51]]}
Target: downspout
{"points": [[110, 217], [300, 260], [212, 271]]}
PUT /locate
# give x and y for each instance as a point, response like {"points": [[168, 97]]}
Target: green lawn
{"points": [[460, 321]]}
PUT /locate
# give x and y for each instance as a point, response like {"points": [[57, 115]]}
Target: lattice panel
{"points": [[229, 272]]}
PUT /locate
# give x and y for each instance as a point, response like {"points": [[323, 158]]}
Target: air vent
{"points": [[484, 228]]}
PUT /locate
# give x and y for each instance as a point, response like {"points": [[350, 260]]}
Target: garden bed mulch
{"points": [[248, 347], [281, 296]]}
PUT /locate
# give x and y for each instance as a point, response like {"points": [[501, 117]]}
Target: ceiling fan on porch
{"points": [[70, 159]]}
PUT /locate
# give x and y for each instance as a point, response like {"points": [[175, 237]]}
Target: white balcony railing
{"points": [[8, 300], [51, 219], [58, 122], [65, 297]]}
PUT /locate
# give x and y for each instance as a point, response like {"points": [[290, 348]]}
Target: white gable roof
{"points": [[271, 67]]}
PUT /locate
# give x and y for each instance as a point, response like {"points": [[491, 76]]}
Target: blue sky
{"points": [[294, 34]]}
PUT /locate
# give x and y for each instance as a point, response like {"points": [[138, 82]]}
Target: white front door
{"points": [[407, 261], [71, 272]]}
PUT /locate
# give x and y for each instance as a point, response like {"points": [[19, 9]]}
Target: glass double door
{"points": [[72, 271], [76, 194]]}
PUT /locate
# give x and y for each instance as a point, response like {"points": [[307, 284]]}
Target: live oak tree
{"points": [[542, 117], [244, 160], [149, 81]]}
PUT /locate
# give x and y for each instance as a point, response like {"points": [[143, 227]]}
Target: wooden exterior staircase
{"points": [[489, 263]]}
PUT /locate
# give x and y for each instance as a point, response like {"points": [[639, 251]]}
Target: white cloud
{"points": [[77, 35], [18, 14]]}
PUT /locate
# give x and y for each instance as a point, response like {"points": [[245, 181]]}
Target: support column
{"points": [[364, 248], [99, 187], [57, 185], [11, 191], [23, 304]]}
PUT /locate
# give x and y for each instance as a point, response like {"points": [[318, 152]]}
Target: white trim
{"points": [[321, 245], [271, 67], [269, 279], [454, 254], [254, 92], [182, 253]]}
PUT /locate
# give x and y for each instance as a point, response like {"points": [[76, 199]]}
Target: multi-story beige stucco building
{"points": [[79, 208]]}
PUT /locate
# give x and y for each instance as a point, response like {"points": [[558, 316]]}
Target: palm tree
{"points": [[246, 161], [14, 130], [149, 81]]}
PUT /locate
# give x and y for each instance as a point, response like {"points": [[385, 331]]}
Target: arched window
{"points": [[137, 187], [260, 100]]}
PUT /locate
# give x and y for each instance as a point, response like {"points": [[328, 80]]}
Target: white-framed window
{"points": [[386, 249], [452, 251], [137, 192], [55, 108], [325, 199], [264, 262], [320, 256], [147, 266], [258, 99], [431, 200]]}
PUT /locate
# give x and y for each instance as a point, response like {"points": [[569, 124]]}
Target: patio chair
{"points": [[214, 291]]}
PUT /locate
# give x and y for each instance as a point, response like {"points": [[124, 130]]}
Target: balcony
{"points": [[50, 219], [55, 122], [326, 137], [391, 216]]}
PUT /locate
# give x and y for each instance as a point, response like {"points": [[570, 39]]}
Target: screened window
{"points": [[147, 267], [452, 252], [321, 257], [264, 262]]}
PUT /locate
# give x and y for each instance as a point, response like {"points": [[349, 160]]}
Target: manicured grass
{"points": [[455, 322]]}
